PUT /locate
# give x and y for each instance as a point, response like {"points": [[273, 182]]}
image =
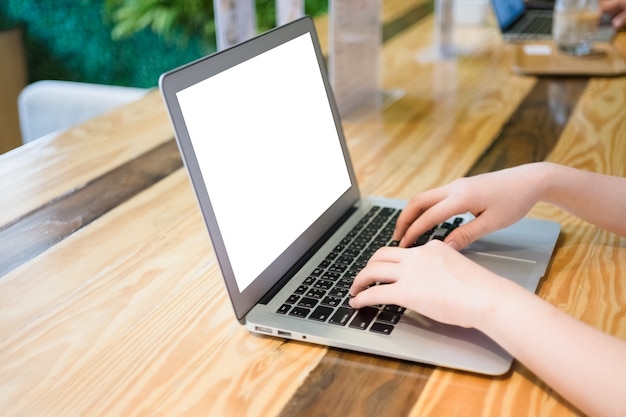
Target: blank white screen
{"points": [[268, 150]]}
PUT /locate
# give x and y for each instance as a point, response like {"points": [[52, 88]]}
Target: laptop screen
{"points": [[507, 11], [268, 150]]}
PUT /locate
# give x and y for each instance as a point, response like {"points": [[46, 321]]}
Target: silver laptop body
{"points": [[261, 138], [518, 21]]}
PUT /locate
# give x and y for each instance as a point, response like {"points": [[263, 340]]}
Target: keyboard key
{"points": [[363, 318], [324, 264], [345, 260], [301, 290], [283, 309], [317, 272], [344, 283], [292, 299], [360, 264], [299, 312], [382, 328], [392, 308], [338, 292], [307, 302], [353, 252], [341, 316], [337, 269], [316, 293], [331, 275], [351, 274], [332, 301], [321, 313], [389, 317], [323, 284]]}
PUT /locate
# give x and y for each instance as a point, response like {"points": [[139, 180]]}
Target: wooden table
{"points": [[111, 301]]}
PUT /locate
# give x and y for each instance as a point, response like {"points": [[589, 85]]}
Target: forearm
{"points": [[596, 198], [583, 364]]}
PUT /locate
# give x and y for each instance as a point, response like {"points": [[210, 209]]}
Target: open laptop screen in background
{"points": [[242, 122], [507, 11]]}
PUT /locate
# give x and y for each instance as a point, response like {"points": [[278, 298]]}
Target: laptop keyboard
{"points": [[536, 25], [323, 295]]}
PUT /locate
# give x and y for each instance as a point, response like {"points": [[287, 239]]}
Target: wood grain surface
{"points": [[36, 174], [53, 222]]}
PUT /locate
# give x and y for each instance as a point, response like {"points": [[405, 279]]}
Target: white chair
{"points": [[48, 107]]}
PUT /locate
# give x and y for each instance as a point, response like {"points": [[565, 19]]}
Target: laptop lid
{"points": [[251, 122], [507, 12]]}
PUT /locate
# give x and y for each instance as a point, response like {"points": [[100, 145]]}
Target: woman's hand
{"points": [[617, 10], [433, 279], [497, 199]]}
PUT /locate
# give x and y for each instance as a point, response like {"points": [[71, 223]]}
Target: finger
{"points": [[414, 209], [610, 7], [619, 21], [435, 215], [378, 294], [387, 254], [373, 273], [463, 236]]}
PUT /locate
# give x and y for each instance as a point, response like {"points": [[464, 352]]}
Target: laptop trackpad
{"points": [[522, 271]]}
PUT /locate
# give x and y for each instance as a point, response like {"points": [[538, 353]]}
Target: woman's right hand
{"points": [[497, 199]]}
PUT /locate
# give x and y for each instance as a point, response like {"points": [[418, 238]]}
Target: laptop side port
{"points": [[284, 333], [262, 329]]}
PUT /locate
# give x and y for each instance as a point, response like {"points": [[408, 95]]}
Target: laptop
{"points": [[521, 20], [261, 139]]}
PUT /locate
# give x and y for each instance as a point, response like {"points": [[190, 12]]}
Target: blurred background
{"points": [[65, 61], [118, 42]]}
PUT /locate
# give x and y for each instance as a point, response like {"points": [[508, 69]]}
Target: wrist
{"points": [[497, 301], [547, 181]]}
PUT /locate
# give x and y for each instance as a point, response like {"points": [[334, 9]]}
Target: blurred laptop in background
{"points": [[519, 20]]}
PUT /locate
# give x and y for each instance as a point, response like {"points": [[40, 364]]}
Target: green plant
{"points": [[181, 19], [169, 19]]}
